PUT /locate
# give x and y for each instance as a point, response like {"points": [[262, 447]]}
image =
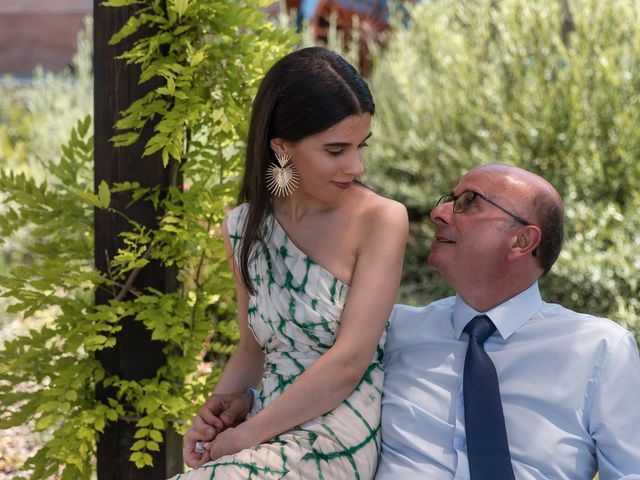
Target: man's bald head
{"points": [[540, 203]]}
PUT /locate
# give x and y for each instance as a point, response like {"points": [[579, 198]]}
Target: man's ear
{"points": [[526, 242], [277, 145]]}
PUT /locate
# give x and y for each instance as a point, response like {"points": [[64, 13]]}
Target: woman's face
{"points": [[328, 162]]}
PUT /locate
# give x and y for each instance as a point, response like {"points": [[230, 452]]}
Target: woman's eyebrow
{"points": [[344, 144]]}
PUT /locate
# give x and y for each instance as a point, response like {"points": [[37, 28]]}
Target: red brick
{"points": [[39, 33]]}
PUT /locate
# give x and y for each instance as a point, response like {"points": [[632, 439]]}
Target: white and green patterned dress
{"points": [[295, 316]]}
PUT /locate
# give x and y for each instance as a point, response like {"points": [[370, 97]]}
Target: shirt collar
{"points": [[507, 317]]}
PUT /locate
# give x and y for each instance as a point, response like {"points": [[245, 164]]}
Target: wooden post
{"points": [[135, 356]]}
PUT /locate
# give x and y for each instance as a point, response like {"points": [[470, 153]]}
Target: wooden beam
{"points": [[135, 356]]}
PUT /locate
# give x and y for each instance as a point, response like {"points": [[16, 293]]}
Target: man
{"points": [[562, 396], [569, 383]]}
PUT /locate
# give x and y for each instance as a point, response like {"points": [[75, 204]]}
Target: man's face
{"points": [[471, 247]]}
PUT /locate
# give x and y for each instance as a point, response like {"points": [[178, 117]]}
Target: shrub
{"points": [[533, 84]]}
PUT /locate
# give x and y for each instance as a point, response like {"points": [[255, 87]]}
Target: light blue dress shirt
{"points": [[569, 383]]}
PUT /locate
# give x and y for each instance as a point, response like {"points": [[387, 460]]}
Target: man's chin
{"points": [[433, 261], [438, 263]]}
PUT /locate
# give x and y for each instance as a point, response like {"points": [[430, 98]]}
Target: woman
{"points": [[317, 259]]}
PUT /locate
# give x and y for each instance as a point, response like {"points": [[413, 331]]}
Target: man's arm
{"points": [[615, 413]]}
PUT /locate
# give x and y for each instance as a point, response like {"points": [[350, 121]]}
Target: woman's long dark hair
{"points": [[304, 93]]}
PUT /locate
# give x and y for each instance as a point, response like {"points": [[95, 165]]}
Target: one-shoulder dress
{"points": [[295, 316]]}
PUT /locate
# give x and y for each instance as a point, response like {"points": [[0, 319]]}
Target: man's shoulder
{"points": [[581, 324], [555, 310], [409, 324], [408, 313]]}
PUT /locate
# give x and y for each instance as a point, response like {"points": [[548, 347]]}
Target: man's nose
{"points": [[441, 214]]}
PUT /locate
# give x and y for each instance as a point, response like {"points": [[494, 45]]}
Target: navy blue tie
{"points": [[487, 445]]}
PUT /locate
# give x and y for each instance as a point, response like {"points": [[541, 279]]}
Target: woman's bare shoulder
{"points": [[377, 209], [379, 217]]}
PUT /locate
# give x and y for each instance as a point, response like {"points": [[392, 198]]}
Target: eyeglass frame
{"points": [[451, 197]]}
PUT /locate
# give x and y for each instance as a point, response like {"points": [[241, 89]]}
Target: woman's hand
{"points": [[218, 413], [232, 440]]}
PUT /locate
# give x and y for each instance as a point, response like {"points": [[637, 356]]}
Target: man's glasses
{"points": [[463, 202]]}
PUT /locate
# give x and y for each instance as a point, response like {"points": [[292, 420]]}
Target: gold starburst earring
{"points": [[282, 179]]}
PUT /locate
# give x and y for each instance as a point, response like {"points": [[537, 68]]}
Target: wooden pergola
{"points": [[135, 355]]}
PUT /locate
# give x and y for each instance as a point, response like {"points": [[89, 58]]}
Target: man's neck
{"points": [[487, 297]]}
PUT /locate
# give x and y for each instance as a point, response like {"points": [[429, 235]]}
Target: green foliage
{"points": [[534, 84], [35, 120], [210, 55], [216, 52], [50, 374]]}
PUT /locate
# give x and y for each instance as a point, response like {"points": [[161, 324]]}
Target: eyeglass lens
{"points": [[463, 202]]}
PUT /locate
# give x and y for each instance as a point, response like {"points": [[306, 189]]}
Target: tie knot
{"points": [[480, 327]]}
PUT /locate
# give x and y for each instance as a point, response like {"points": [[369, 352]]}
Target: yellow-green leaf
{"points": [[196, 58], [158, 423], [180, 6], [104, 195], [156, 435], [144, 421], [45, 422], [71, 395], [153, 446], [139, 445]]}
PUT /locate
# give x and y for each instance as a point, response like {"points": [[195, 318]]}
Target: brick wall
{"points": [[39, 32]]}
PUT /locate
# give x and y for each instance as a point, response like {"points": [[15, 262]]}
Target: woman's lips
{"points": [[342, 185]]}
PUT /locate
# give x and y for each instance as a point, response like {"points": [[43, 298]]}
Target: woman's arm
{"points": [[244, 369], [332, 378]]}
